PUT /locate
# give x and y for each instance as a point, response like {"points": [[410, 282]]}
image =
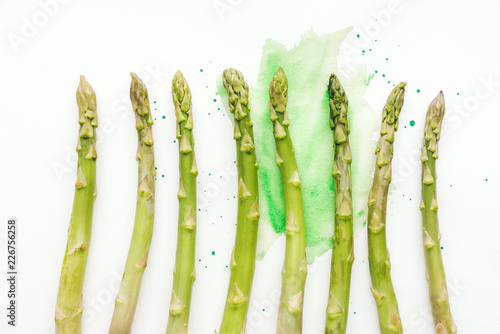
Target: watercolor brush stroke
{"points": [[309, 65]]}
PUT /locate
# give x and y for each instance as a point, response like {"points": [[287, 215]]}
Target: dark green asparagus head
{"points": [[338, 103], [139, 95], [278, 91], [434, 119]]}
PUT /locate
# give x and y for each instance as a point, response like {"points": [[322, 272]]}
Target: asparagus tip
{"points": [[85, 95], [139, 95], [278, 91]]}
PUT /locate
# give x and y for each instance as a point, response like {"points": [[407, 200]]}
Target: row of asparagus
{"points": [[69, 300]]}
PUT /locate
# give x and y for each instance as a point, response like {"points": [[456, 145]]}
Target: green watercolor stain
{"points": [[418, 90], [412, 123], [368, 79], [308, 66]]}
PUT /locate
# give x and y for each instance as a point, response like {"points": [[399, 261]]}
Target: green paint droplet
{"points": [[156, 168], [154, 101], [412, 123], [354, 312], [418, 90], [213, 253], [163, 117], [386, 58], [458, 93], [376, 71], [216, 93], [442, 247], [201, 70], [263, 310], [199, 260], [363, 51], [486, 180], [357, 35], [215, 100], [383, 75], [162, 175]]}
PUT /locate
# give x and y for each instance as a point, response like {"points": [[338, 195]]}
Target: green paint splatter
{"points": [[201, 70], [486, 180], [213, 253], [412, 123], [308, 67], [163, 117], [418, 90]]}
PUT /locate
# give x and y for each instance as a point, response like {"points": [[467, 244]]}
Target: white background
{"points": [[448, 45]]}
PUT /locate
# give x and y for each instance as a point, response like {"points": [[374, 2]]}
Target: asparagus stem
{"points": [[243, 256], [295, 268], [438, 292], [184, 271], [378, 255], [126, 300], [343, 250], [69, 305]]}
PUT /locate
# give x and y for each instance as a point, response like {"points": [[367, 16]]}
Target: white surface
{"points": [[450, 45]]}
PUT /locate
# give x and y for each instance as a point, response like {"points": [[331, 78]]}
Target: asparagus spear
{"points": [[126, 300], [378, 255], [343, 251], [69, 298], [295, 268], [243, 256], [184, 271], [438, 293]]}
